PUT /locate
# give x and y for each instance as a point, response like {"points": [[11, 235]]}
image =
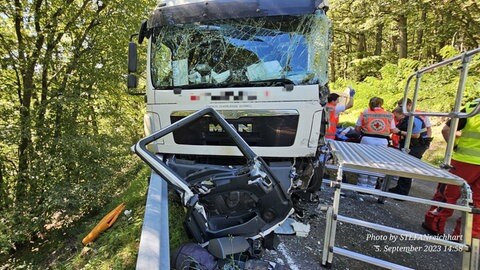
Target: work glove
{"points": [[352, 91]]}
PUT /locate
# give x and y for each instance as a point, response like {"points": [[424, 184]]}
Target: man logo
{"points": [[245, 128], [215, 128], [241, 128]]}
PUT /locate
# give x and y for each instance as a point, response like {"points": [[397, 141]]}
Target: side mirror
{"points": [[132, 57], [132, 81]]}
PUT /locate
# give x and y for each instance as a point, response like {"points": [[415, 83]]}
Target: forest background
{"points": [[67, 123]]}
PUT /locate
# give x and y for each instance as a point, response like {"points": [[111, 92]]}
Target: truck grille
{"points": [[278, 130]]}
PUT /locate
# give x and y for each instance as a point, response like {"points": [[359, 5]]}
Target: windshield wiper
{"points": [[215, 85], [287, 83], [200, 86]]}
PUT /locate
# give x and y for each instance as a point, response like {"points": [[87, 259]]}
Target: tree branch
{"points": [[17, 18], [17, 76]]}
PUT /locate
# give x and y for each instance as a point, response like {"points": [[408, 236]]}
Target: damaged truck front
{"points": [[235, 117]]}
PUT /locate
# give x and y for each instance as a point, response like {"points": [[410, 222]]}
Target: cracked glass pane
{"points": [[242, 52]]}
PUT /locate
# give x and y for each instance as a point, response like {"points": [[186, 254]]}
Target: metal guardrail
{"points": [[391, 162], [154, 249], [465, 59]]}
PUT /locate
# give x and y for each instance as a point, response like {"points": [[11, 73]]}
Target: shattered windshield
{"points": [[241, 52]]}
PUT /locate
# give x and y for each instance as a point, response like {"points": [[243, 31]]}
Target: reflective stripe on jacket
{"points": [[422, 117], [332, 122], [376, 122], [468, 144]]}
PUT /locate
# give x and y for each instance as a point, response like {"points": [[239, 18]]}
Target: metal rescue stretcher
{"points": [[392, 162]]}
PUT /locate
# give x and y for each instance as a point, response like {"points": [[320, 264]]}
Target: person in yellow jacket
{"points": [[465, 164]]}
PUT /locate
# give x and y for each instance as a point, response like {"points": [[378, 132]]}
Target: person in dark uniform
{"points": [[419, 143]]}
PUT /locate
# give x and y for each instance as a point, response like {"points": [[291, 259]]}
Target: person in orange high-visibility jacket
{"points": [[334, 109], [375, 124]]}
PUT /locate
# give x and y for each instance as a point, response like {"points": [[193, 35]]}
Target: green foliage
{"points": [[364, 28], [5, 235], [176, 220], [116, 248], [448, 52], [66, 124], [437, 89], [366, 67]]}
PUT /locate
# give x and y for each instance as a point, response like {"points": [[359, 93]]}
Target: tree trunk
{"points": [[394, 44], [402, 28], [25, 139], [361, 46], [423, 19], [378, 39], [3, 188], [346, 58], [333, 74]]}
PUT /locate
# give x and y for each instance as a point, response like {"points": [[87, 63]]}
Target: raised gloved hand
{"points": [[352, 91]]}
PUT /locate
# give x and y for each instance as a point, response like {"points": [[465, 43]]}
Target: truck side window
{"points": [[161, 67]]}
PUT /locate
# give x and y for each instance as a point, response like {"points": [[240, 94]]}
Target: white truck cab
{"points": [[261, 65]]}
